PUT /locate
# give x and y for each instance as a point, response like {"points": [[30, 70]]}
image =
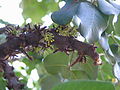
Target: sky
{"points": [[10, 11]]}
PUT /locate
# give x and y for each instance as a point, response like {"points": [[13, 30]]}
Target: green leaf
{"points": [[114, 48], [117, 87], [32, 64], [93, 22], [36, 10], [3, 38], [110, 27], [105, 72], [74, 74], [90, 69], [4, 22], [117, 26], [107, 69], [66, 13], [3, 84], [81, 70], [85, 85], [49, 82], [56, 62]]}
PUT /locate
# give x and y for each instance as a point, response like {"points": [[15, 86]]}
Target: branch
{"points": [[9, 75], [14, 43], [68, 43], [34, 37]]}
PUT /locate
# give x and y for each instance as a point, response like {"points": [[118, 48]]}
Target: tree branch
{"points": [[32, 36], [9, 75]]}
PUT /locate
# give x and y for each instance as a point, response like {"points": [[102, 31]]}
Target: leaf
{"points": [[49, 82], [104, 41], [116, 4], [84, 70], [114, 48], [32, 64], [87, 71], [76, 20], [108, 9], [90, 69], [4, 22], [79, 74], [85, 85], [36, 10], [93, 23], [3, 84], [56, 62], [110, 56], [117, 70], [105, 45], [116, 60], [66, 13], [105, 72], [3, 38], [117, 87], [113, 57], [110, 26], [74, 74], [117, 26]]}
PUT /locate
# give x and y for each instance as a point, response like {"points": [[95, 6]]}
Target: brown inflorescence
{"points": [[22, 38]]}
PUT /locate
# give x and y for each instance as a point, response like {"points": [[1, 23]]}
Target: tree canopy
{"points": [[56, 55]]}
